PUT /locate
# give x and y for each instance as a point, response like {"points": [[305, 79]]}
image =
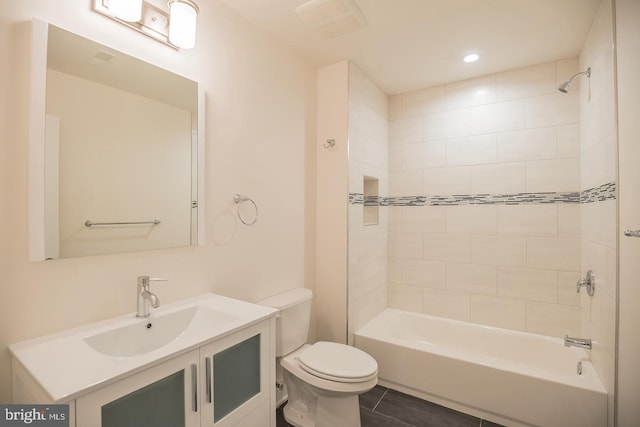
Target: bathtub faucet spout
{"points": [[577, 342]]}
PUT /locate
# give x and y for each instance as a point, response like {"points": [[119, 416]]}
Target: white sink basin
{"points": [[77, 361], [153, 332]]}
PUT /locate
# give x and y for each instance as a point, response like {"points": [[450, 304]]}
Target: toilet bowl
{"points": [[321, 382]]}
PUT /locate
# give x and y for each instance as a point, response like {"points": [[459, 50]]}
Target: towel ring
{"points": [[239, 199]]}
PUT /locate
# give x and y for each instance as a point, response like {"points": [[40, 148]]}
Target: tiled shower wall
{"points": [[368, 156], [599, 217], [484, 213]]}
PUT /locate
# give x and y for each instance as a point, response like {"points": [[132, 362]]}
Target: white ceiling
{"points": [[412, 44]]}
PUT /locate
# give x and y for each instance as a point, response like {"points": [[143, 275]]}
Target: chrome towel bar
{"points": [[632, 233], [89, 223]]}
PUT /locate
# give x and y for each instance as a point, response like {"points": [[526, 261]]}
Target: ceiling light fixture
{"points": [[172, 23], [472, 57]]}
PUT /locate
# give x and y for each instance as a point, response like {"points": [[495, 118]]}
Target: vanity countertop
{"points": [[66, 366]]}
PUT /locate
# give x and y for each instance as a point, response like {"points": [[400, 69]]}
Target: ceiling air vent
{"points": [[332, 17]]}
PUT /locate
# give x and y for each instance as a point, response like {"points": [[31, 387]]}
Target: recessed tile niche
{"points": [[371, 214]]}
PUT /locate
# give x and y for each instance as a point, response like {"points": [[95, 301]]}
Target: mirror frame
{"points": [[37, 129]]}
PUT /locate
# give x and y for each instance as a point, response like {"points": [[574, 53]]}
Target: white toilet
{"points": [[321, 381]]}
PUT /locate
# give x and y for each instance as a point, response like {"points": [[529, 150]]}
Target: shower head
{"points": [[564, 87]]}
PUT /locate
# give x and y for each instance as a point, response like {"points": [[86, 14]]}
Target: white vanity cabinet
{"points": [[236, 378], [165, 395], [218, 372], [224, 383]]}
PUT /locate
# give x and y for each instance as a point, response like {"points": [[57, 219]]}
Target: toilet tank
{"points": [[292, 323]]}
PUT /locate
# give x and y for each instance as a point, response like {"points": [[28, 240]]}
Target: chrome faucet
{"points": [[577, 342], [145, 296]]}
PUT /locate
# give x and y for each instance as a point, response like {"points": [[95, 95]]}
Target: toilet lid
{"points": [[338, 362]]}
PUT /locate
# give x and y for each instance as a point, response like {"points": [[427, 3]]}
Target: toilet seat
{"points": [[338, 362]]}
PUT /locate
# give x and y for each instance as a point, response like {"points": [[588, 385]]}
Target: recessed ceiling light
{"points": [[472, 57]]}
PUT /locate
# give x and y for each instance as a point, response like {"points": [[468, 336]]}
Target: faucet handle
{"points": [[145, 280]]}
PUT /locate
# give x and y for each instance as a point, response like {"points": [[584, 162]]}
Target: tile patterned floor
{"points": [[383, 407]]}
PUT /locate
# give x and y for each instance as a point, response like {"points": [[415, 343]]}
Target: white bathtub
{"points": [[513, 378]]}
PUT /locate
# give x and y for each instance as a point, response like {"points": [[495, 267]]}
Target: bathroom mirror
{"points": [[116, 151]]}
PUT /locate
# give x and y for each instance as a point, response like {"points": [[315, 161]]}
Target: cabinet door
{"points": [[237, 379], [165, 395]]}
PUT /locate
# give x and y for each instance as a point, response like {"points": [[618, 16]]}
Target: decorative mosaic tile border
{"points": [[596, 194], [599, 194]]}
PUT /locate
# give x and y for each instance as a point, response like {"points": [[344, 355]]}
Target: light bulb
{"points": [[127, 10], [182, 24]]}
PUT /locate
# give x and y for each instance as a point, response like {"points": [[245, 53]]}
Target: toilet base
{"points": [[328, 412]]}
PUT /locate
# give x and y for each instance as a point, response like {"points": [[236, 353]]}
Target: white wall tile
{"points": [[374, 276], [553, 175], [594, 166], [528, 220], [528, 284], [457, 123], [499, 250], [568, 141], [418, 272], [447, 247], [394, 218], [483, 119], [499, 178], [591, 216], [394, 270], [444, 181], [435, 126], [405, 131], [472, 150], [552, 110], [472, 278], [395, 158], [553, 319], [373, 247], [609, 223], [424, 101], [569, 222], [432, 219], [468, 93], [406, 183], [500, 312], [553, 253], [405, 298], [530, 144], [567, 294], [510, 115], [405, 245], [505, 133], [525, 82], [424, 155], [472, 219], [448, 304]]}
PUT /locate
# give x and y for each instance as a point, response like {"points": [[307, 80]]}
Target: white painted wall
{"points": [[260, 124], [627, 13], [332, 203]]}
